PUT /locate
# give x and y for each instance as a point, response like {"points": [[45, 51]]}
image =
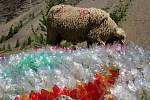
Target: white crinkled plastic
{"points": [[34, 70]]}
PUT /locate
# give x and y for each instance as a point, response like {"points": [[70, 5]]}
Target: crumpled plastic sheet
{"points": [[46, 67]]}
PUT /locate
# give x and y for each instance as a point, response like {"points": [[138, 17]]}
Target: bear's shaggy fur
{"points": [[77, 24]]}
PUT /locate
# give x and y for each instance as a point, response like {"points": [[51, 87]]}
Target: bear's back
{"points": [[68, 17]]}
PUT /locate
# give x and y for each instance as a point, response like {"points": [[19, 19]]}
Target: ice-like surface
{"points": [[43, 68]]}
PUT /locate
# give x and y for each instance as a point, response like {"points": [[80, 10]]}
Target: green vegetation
{"points": [[36, 40], [72, 2], [120, 12], [67, 44], [43, 20], [31, 16], [17, 43], [3, 38], [142, 95], [43, 23], [10, 17], [24, 44], [12, 32], [39, 39], [3, 47], [29, 41], [106, 8], [15, 29], [9, 47], [51, 3]]}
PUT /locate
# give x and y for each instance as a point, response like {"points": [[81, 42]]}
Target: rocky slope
{"points": [[28, 18], [24, 12], [136, 23], [12, 8]]}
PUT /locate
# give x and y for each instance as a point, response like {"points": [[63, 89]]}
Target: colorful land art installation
{"points": [[102, 73], [98, 89]]}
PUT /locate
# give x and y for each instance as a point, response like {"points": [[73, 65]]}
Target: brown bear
{"points": [[77, 24]]}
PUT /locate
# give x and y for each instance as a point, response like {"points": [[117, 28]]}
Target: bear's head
{"points": [[119, 36]]}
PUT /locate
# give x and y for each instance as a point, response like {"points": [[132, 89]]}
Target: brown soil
{"points": [[137, 24]]}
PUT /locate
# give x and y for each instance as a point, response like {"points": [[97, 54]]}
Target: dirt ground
{"points": [[137, 24]]}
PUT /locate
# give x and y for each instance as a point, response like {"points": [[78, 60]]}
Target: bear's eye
{"points": [[122, 37], [114, 38], [111, 40]]}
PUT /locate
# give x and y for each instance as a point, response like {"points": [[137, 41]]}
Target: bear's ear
{"points": [[55, 9], [121, 35], [108, 14], [120, 32]]}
